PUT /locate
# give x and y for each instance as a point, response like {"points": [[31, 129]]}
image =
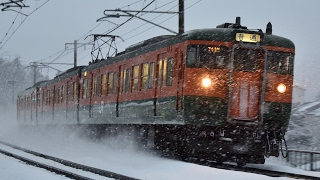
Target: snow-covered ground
{"points": [[118, 155]]}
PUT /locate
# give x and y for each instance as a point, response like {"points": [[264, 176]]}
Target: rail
{"points": [[302, 159]]}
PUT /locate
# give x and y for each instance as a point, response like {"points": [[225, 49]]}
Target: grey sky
{"points": [[45, 32]]}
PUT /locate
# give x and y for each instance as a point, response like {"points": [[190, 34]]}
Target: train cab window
{"points": [[191, 55], [135, 78], [122, 80], [103, 84], [110, 83], [208, 56], [85, 89], [127, 80], [63, 94], [151, 75], [247, 60], [280, 62], [169, 72], [145, 75]]}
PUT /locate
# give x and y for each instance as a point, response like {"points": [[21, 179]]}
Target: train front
{"points": [[238, 91]]}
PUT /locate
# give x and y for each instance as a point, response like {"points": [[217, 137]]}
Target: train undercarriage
{"points": [[233, 144]]}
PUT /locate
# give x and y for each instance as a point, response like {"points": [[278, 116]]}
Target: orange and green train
{"points": [[224, 93]]}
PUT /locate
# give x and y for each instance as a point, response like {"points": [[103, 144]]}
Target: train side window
{"points": [[151, 75], [103, 83], [63, 94], [145, 75], [135, 78], [115, 82], [127, 80], [57, 96], [122, 72], [94, 86], [84, 89], [110, 83], [88, 88], [160, 69], [98, 86], [191, 56], [75, 93], [70, 90], [164, 71], [169, 71]]}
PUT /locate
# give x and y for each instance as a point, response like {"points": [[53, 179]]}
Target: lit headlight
{"points": [[281, 88], [206, 82]]}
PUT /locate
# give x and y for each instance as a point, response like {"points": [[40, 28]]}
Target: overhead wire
{"points": [[63, 50], [131, 30], [3, 44]]}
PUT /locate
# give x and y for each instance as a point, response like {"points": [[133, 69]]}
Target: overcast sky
{"points": [[41, 36]]}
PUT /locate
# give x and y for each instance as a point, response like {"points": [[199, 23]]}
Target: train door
{"points": [[161, 60], [90, 89], [179, 69], [246, 83], [119, 89]]}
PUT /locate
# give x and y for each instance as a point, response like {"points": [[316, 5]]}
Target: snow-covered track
{"points": [[256, 170], [97, 171]]}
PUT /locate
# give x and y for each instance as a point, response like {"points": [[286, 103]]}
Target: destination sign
{"points": [[245, 37]]}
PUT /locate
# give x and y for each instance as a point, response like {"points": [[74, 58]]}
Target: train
{"points": [[223, 94]]}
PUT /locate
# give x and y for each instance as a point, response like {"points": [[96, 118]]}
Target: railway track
{"points": [[96, 173], [109, 174], [255, 170]]}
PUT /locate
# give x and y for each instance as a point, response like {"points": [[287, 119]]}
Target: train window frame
{"points": [[75, 90], [127, 80], [160, 69], [110, 83], [169, 74], [247, 64], [84, 88], [220, 56], [286, 57], [104, 84], [115, 82], [98, 86], [135, 78], [144, 76], [151, 74]]}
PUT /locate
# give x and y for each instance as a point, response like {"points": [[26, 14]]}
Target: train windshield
{"points": [[280, 62], [247, 60], [207, 56]]}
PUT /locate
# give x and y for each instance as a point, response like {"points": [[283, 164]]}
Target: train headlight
{"points": [[206, 82], [281, 88]]}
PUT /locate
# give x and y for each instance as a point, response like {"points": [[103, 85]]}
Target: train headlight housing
{"points": [[281, 88], [206, 82]]}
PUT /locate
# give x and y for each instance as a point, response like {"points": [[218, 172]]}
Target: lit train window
{"points": [[280, 62], [110, 83], [151, 75], [164, 71], [207, 56], [160, 73], [169, 72], [135, 78], [145, 75]]}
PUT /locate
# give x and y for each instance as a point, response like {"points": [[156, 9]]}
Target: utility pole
{"points": [[75, 46], [181, 16]]}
